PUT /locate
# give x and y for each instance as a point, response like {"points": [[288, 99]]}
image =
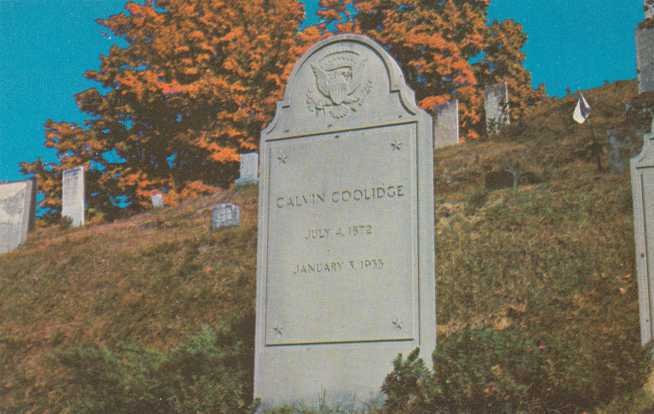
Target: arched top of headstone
{"points": [[342, 82]]}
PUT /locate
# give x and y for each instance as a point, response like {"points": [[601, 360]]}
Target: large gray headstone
{"points": [[73, 200], [17, 205], [645, 52], [496, 107], [446, 124], [345, 265], [225, 215], [642, 187], [249, 169]]}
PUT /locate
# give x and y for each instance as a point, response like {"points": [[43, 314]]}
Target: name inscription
{"points": [[384, 192]]}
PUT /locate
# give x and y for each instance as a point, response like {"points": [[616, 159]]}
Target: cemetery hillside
{"points": [[537, 299]]}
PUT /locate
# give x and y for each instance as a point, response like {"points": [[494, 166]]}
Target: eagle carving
{"points": [[341, 84]]}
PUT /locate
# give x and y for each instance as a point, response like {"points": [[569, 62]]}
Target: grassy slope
{"points": [[502, 256]]}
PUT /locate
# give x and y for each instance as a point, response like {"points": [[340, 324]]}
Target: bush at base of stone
{"points": [[210, 372], [489, 371]]}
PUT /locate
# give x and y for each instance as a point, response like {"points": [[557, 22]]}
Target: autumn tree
{"points": [[444, 47], [193, 87]]}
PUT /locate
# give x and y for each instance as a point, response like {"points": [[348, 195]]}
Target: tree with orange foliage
{"points": [[444, 47], [194, 86]]}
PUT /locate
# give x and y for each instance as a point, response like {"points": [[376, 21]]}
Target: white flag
{"points": [[582, 110]]}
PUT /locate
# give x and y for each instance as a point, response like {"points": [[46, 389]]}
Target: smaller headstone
{"points": [[73, 200], [225, 215], [17, 205], [616, 145], [157, 199], [249, 170], [496, 106], [446, 124], [645, 55]]}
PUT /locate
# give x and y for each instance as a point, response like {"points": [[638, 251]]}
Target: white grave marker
{"points": [[446, 124], [249, 169], [496, 106], [73, 200], [17, 205]]}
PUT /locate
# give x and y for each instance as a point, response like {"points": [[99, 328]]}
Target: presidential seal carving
{"points": [[341, 84]]}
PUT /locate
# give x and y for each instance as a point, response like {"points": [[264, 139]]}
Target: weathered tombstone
{"points": [[496, 106], [157, 199], [616, 146], [73, 200], [642, 187], [446, 124], [17, 205], [249, 169], [225, 215], [645, 55], [345, 265]]}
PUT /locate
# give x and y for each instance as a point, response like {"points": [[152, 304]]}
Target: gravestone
{"points": [[73, 200], [17, 205], [249, 169], [616, 145], [345, 264], [446, 124], [645, 55], [225, 215], [496, 107], [642, 187], [157, 199]]}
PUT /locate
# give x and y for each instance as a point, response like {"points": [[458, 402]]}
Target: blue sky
{"points": [[46, 45]]}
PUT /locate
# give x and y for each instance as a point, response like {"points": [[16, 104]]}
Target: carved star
{"points": [[397, 323], [282, 158], [396, 145], [278, 330]]}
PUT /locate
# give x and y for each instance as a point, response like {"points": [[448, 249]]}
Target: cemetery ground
{"points": [[537, 302]]}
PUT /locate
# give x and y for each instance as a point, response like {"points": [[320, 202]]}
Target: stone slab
{"points": [[446, 124], [642, 186], [345, 258], [17, 206], [249, 169], [225, 215], [157, 200], [616, 147], [73, 199], [645, 56], [496, 107]]}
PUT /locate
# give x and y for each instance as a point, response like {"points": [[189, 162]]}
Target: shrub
{"points": [[210, 372], [483, 370]]}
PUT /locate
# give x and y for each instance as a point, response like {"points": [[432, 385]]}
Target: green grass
{"points": [[554, 256]]}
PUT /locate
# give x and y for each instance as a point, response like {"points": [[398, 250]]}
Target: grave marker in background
{"points": [[496, 106], [157, 199], [645, 56], [17, 205], [249, 169], [73, 200], [642, 187], [616, 145], [446, 124], [225, 215], [345, 264]]}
